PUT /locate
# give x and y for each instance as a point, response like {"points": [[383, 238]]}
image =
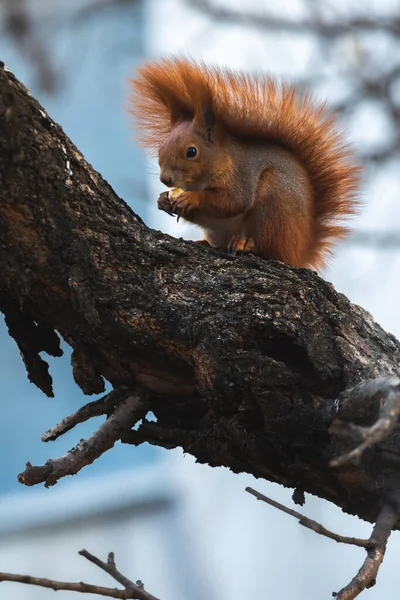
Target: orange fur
{"points": [[169, 94]]}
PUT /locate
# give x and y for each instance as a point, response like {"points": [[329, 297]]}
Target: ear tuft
{"points": [[208, 117], [205, 120], [178, 114]]}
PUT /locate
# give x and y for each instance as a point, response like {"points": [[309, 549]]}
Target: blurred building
{"points": [[186, 530]]}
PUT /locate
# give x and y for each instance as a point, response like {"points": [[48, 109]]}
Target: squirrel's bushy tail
{"points": [[256, 107]]}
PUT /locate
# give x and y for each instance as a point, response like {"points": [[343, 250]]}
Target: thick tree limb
{"points": [[242, 360], [132, 591]]}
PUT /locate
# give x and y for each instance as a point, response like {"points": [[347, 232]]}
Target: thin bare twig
{"points": [[18, 24], [109, 567], [366, 576], [87, 451], [385, 239], [96, 408], [265, 21], [375, 545], [309, 523], [132, 591], [81, 587], [383, 392], [96, 8]]}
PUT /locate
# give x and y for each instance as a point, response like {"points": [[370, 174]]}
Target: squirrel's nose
{"points": [[166, 180]]}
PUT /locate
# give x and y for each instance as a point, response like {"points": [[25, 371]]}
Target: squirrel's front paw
{"points": [[184, 204], [241, 243], [164, 203]]}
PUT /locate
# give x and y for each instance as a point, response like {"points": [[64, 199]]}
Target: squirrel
{"points": [[258, 166]]}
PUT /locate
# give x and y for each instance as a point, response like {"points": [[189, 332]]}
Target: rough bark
{"points": [[244, 358]]}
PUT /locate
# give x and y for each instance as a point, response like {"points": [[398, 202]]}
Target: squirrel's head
{"points": [[192, 154]]}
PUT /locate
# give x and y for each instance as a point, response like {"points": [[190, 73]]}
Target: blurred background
{"points": [[187, 530]]}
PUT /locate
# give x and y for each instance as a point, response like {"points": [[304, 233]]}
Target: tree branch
{"points": [[132, 591], [267, 22], [125, 416], [17, 22], [366, 576], [379, 395], [135, 589], [102, 406], [109, 567], [240, 360], [81, 587], [375, 545], [309, 523]]}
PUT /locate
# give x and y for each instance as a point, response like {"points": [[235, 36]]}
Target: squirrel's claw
{"points": [[184, 204], [241, 243]]}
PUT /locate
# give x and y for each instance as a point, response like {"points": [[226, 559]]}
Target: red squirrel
{"points": [[260, 167]]}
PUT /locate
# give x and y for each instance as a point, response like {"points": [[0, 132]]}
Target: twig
{"points": [[19, 25], [110, 568], [382, 240], [124, 417], [132, 591], [309, 523], [265, 21], [375, 545], [383, 393], [83, 588], [96, 8], [366, 576], [96, 408]]}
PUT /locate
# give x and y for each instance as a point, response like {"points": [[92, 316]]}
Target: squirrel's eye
{"points": [[191, 152]]}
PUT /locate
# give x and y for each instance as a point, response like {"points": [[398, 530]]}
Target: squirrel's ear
{"points": [[178, 114], [205, 121], [208, 117]]}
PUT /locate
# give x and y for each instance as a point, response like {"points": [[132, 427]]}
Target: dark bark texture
{"points": [[244, 358]]}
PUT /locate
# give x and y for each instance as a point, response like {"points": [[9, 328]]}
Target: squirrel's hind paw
{"points": [[240, 243]]}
